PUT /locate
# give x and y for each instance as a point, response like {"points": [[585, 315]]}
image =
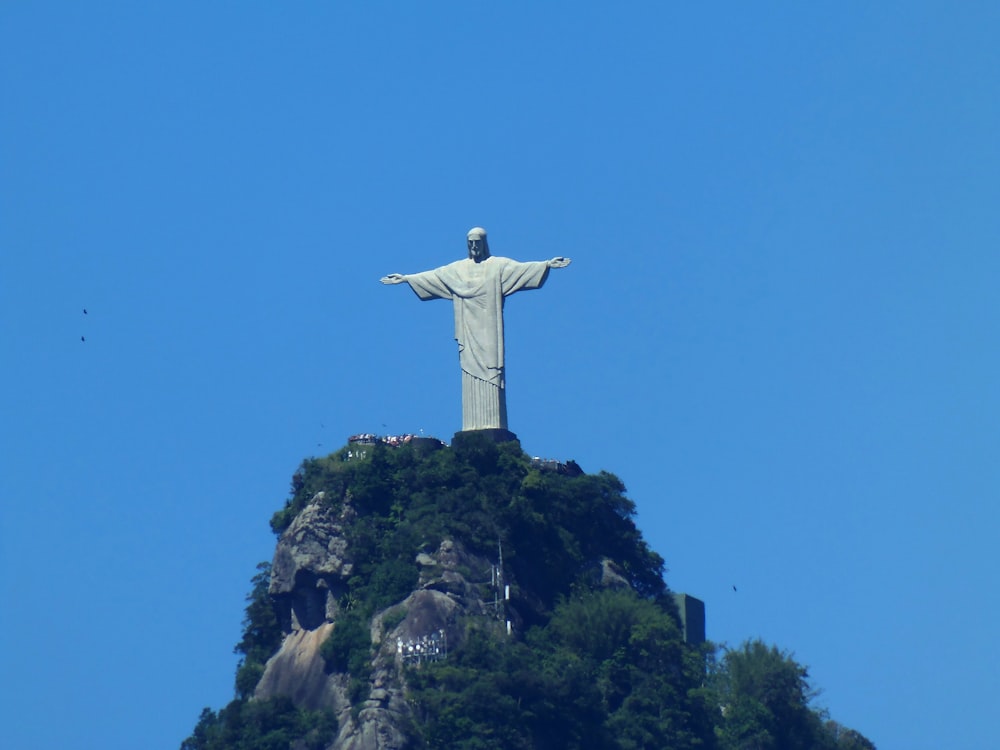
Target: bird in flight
{"points": [[82, 338], [85, 311], [734, 587]]}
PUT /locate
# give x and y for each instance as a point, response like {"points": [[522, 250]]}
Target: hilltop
{"points": [[470, 596]]}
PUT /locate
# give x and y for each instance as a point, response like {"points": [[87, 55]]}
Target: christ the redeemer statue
{"points": [[478, 286]]}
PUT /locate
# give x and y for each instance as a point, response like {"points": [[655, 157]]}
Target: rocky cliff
{"points": [[424, 597], [443, 514], [410, 596], [310, 576]]}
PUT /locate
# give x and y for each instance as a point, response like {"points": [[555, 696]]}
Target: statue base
{"points": [[494, 434]]}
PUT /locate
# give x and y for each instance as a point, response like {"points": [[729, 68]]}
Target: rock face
{"points": [[299, 672], [312, 564]]}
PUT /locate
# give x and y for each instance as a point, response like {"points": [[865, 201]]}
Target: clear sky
{"points": [[779, 328]]}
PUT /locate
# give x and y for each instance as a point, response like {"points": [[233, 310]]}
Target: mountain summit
{"points": [[470, 596]]}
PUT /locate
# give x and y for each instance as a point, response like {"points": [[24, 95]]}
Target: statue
{"points": [[478, 286]]}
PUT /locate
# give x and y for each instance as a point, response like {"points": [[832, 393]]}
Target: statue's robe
{"points": [[478, 291]]}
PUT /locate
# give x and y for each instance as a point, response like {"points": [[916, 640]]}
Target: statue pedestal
{"points": [[496, 435]]}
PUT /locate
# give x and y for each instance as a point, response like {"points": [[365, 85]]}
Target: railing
{"points": [[425, 648]]}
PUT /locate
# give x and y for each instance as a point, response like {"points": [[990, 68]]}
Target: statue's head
{"points": [[479, 249]]}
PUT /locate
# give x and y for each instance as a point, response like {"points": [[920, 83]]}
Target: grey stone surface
{"points": [[477, 287], [311, 562], [311, 566]]}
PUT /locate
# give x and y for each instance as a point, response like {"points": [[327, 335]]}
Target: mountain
{"points": [[469, 596]]}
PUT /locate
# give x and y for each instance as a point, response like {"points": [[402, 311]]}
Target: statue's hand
{"points": [[393, 278], [559, 262]]}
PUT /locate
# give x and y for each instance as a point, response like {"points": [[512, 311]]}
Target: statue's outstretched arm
{"points": [[393, 278], [559, 262]]}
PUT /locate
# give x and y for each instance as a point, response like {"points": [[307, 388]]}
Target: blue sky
{"points": [[779, 327]]}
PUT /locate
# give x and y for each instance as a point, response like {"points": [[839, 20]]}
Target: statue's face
{"points": [[478, 249]]}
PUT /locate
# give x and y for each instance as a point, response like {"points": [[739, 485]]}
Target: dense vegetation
{"points": [[260, 724], [592, 668]]}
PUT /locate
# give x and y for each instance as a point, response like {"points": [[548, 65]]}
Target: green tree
{"points": [[501, 695], [262, 725], [764, 697], [261, 633], [590, 668], [848, 739], [608, 672], [632, 650]]}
